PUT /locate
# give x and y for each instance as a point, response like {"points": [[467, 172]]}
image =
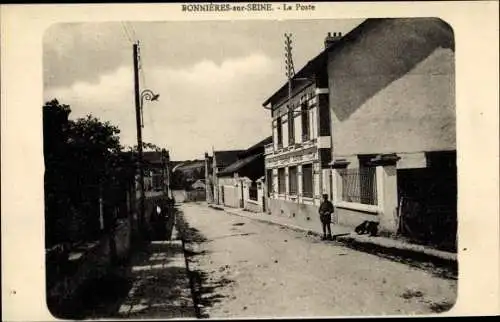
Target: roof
{"points": [[262, 143], [256, 148], [225, 158], [319, 61], [236, 166], [151, 156], [189, 165], [198, 183]]}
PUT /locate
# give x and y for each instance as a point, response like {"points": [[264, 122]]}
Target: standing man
{"points": [[325, 214]]}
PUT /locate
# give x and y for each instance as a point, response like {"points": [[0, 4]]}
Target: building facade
{"points": [[209, 180], [370, 121], [392, 96], [240, 183], [298, 160], [156, 171], [219, 161]]}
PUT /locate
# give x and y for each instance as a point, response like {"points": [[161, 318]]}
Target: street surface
{"points": [[244, 268]]}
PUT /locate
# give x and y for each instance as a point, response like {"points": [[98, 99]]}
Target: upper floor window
{"points": [[291, 128], [305, 122], [280, 132]]}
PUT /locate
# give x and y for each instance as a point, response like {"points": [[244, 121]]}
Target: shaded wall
{"points": [[392, 88], [231, 196]]}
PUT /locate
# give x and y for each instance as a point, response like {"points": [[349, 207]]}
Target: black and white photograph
{"points": [[250, 168]]}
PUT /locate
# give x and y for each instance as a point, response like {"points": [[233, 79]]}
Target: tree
{"points": [[84, 163], [55, 123], [145, 147]]}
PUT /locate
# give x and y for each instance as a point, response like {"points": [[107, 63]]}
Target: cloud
{"points": [[203, 105], [212, 76], [83, 51], [228, 71]]}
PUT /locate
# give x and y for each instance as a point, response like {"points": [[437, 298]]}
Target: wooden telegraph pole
{"points": [[138, 120]]}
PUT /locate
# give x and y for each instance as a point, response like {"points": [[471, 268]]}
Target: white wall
{"points": [[394, 89]]}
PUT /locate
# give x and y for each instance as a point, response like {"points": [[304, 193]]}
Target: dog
{"points": [[367, 227]]}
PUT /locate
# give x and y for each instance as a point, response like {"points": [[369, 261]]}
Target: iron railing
{"points": [[359, 185]]}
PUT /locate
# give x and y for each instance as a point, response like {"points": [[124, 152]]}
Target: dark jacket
{"points": [[326, 207]]}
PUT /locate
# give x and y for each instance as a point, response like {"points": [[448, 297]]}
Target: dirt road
{"points": [[244, 268]]}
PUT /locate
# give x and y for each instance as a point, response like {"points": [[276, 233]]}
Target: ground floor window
{"points": [[269, 180], [307, 180], [359, 185], [281, 181], [292, 180]]}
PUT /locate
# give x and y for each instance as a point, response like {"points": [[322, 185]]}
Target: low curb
{"points": [[372, 245]]}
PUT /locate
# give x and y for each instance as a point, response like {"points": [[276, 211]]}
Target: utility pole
{"points": [[139, 139], [163, 173], [290, 72]]}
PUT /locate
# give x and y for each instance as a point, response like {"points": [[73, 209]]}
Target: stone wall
{"points": [[253, 206]]}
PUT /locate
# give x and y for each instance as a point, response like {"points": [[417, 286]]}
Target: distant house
{"points": [[198, 185], [237, 182], [186, 173], [213, 165], [209, 180], [156, 170]]}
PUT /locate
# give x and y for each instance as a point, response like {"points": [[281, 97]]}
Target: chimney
{"points": [[332, 38]]}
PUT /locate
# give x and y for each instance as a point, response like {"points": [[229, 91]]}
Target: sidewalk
{"points": [[160, 284], [347, 236], [153, 283]]}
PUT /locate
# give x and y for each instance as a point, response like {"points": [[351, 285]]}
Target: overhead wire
{"points": [[131, 35], [132, 30], [127, 34]]}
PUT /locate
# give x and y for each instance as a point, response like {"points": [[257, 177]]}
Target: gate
{"points": [[427, 211]]}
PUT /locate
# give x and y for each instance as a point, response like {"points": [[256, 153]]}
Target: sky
{"points": [[212, 77]]}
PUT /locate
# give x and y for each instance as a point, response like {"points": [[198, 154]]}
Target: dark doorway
{"points": [[427, 199]]}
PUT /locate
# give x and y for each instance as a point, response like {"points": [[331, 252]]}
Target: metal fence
{"points": [[359, 185]]}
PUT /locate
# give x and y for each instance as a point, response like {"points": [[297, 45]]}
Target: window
{"points": [[307, 180], [305, 122], [281, 181], [269, 180], [252, 191], [359, 185], [291, 132], [292, 180], [280, 132]]}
